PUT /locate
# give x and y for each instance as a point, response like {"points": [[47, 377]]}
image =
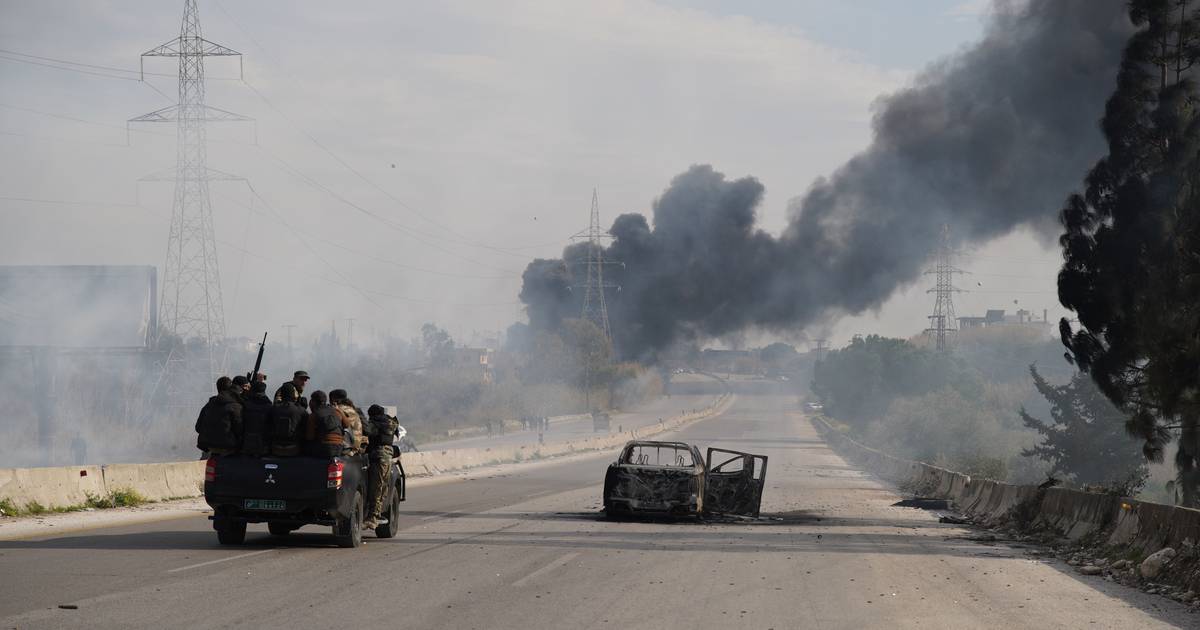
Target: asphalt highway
{"points": [[524, 547]]}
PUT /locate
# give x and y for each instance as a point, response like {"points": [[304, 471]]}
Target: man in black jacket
{"points": [[323, 430], [287, 422], [219, 426], [256, 411]]}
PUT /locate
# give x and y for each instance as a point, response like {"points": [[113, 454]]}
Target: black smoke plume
{"points": [[986, 141]]}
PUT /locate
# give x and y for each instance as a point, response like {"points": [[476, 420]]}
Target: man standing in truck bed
{"points": [[219, 426], [379, 428], [299, 379]]}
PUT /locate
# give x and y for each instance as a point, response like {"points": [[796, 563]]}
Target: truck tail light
{"points": [[210, 469], [335, 475]]}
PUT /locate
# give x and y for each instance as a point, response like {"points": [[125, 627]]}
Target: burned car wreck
{"points": [[673, 479]]}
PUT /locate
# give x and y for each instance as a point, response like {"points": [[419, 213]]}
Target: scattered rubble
{"points": [[1153, 564]]}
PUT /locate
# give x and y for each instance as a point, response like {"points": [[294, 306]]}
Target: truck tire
{"points": [[231, 532], [392, 526], [281, 529], [348, 531]]}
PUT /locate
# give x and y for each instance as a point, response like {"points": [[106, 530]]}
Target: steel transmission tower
{"points": [[942, 323], [595, 309], [190, 297]]}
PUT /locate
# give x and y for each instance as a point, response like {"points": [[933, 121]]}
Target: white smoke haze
{"points": [[410, 159]]}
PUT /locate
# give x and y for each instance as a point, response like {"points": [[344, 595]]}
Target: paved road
{"points": [[523, 548]]}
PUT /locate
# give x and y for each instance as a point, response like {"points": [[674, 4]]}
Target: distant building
{"points": [[476, 360], [998, 317]]}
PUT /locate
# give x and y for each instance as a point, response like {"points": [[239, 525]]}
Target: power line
{"points": [[271, 58], [64, 202], [78, 70], [343, 278], [29, 57], [374, 215], [127, 129], [464, 240], [394, 263], [57, 139]]}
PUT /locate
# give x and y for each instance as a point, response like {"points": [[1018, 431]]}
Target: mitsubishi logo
{"points": [[270, 478]]}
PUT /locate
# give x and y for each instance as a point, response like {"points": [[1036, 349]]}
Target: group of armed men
{"points": [[240, 419]]}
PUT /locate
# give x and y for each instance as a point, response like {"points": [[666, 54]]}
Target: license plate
{"points": [[264, 504]]}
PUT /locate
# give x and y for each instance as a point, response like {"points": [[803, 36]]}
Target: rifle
{"points": [[258, 362]]}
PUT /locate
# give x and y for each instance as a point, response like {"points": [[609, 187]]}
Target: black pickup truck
{"points": [[288, 493]]}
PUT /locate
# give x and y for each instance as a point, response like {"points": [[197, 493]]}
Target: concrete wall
{"points": [[1145, 526], [64, 486], [71, 485]]}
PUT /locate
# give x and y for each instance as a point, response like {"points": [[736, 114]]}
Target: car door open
{"points": [[733, 482]]}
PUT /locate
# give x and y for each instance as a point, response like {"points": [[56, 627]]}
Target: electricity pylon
{"points": [[943, 323], [191, 309], [595, 308], [190, 304]]}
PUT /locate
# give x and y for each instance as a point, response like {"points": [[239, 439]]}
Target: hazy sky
{"points": [[422, 153]]}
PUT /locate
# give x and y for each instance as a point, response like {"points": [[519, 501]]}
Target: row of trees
{"points": [[1131, 273], [942, 408]]}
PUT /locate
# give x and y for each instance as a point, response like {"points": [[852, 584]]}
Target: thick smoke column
{"points": [[986, 141]]}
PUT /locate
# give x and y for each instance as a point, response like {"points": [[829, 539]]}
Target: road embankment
{"points": [[1121, 527]]}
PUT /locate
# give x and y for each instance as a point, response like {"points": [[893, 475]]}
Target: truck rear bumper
{"points": [[296, 512]]}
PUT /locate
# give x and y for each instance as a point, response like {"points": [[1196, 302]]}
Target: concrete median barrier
{"points": [[58, 486]]}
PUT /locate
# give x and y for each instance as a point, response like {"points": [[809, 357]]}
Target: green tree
{"points": [[1130, 271], [858, 383], [437, 345], [1085, 439]]}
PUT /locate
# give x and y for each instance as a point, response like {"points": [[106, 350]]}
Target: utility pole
{"points": [[942, 323], [190, 304], [290, 352]]}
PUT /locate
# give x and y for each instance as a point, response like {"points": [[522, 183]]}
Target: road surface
{"points": [[523, 548]]}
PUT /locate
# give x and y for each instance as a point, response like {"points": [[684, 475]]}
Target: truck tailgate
{"points": [[302, 478]]}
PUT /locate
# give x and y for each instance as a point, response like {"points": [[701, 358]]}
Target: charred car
{"points": [[673, 479]]}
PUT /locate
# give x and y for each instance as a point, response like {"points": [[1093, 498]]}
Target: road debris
{"points": [[923, 503]]}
